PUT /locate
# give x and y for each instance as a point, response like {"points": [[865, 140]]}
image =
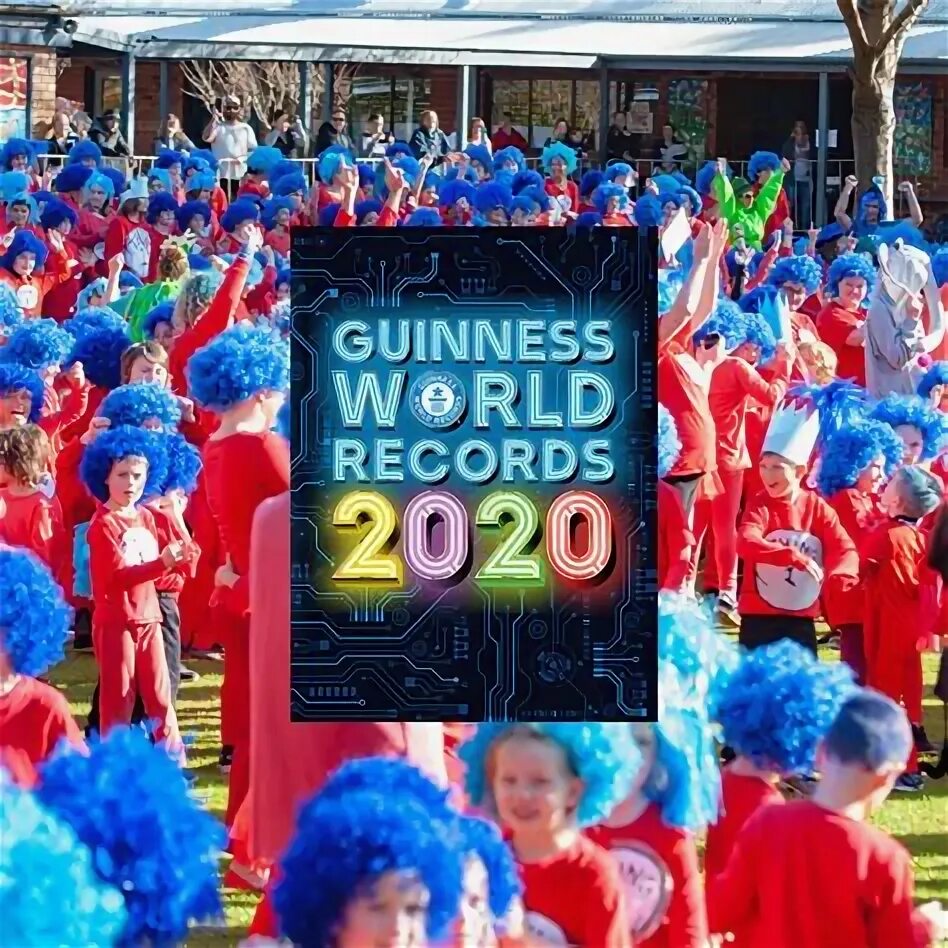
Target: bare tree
{"points": [[877, 31]]}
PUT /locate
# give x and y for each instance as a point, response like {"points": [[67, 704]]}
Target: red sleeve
{"points": [[72, 408], [687, 916], [61, 725], [257, 298], [105, 560], [756, 388], [894, 919], [114, 238], [839, 552], [388, 218], [606, 921], [732, 894], [46, 534], [675, 539], [751, 544], [193, 431], [344, 219]]}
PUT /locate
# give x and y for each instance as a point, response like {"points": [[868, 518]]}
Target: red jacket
{"points": [[31, 291]]}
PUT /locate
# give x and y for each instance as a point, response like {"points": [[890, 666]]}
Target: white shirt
{"points": [[231, 146]]}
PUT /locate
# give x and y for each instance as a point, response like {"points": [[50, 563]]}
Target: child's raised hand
{"points": [[75, 375], [116, 263], [814, 569], [96, 427], [254, 240]]}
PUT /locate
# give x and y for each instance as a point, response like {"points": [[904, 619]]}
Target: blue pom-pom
{"points": [[117, 444], [49, 892], [235, 366], [669, 444], [896, 410], [603, 756], [129, 803], [845, 454], [21, 378], [34, 617], [100, 352], [780, 703], [850, 265], [138, 402], [38, 344], [937, 374]]}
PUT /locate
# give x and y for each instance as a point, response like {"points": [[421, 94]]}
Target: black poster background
{"points": [[427, 652]]}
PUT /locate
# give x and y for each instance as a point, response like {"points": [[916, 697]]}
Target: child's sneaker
{"points": [[909, 783], [727, 611]]}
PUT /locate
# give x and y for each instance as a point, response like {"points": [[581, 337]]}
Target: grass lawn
{"points": [[919, 820]]}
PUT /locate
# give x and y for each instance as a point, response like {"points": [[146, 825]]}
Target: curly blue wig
{"points": [[409, 167], [119, 184], [85, 150], [694, 199], [84, 301], [526, 179], [705, 176], [272, 208], [343, 846], [364, 208], [237, 365], [558, 150], [727, 320], [283, 167], [539, 197], [263, 159], [779, 704], [898, 410], [669, 444], [850, 265], [37, 344], [603, 756], [100, 352], [238, 212], [619, 169], [49, 891], [202, 181], [34, 617], [128, 802], [483, 839], [11, 315], [937, 374], [168, 157], [190, 210], [14, 185], [72, 178], [509, 154], [524, 204], [848, 452], [649, 211], [388, 775], [588, 219], [330, 161], [159, 174], [16, 148], [117, 444], [137, 402], [762, 161], [91, 319], [490, 196], [24, 241], [398, 150], [758, 299], [607, 192], [424, 217], [940, 266], [206, 155], [756, 330], [669, 183], [453, 191], [182, 464], [21, 378], [480, 155], [158, 204], [804, 271], [589, 182]]}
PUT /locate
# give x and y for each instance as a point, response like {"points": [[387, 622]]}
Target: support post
{"points": [[163, 106], [128, 100], [305, 107], [329, 91], [464, 114], [603, 114], [822, 151]]}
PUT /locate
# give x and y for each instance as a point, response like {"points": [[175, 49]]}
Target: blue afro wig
{"points": [[558, 150], [483, 840], [409, 167], [398, 150], [539, 197], [846, 453], [21, 378], [758, 299], [158, 204], [238, 212], [453, 191], [388, 775], [100, 352], [16, 148], [72, 178], [872, 195], [940, 266], [115, 445], [898, 410], [198, 263], [283, 167], [129, 803], [694, 199], [669, 183], [191, 209], [366, 174], [14, 185], [756, 330], [263, 159], [705, 176], [589, 182], [169, 157], [37, 344], [159, 174], [779, 704], [162, 313], [649, 211], [937, 374], [34, 617], [364, 208], [119, 184], [85, 150], [524, 204], [490, 196], [92, 319], [727, 320], [804, 271], [11, 315], [526, 179], [272, 208], [588, 219], [137, 402], [850, 265], [330, 161], [620, 169], [182, 464], [603, 756], [206, 155], [510, 154], [235, 366], [669, 444], [49, 891], [480, 155], [424, 217], [762, 161], [202, 181], [96, 288], [24, 241], [607, 192], [344, 845]]}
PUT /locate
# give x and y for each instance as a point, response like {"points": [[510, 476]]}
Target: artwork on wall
{"points": [[14, 98], [913, 128], [687, 112]]}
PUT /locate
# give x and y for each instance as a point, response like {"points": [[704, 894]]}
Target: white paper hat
{"points": [[792, 433], [137, 189]]}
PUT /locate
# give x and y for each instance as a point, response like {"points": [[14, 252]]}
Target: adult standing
{"points": [[108, 136], [618, 139], [61, 135], [171, 135], [288, 135], [797, 150], [334, 132], [671, 149], [374, 138], [479, 134], [506, 136], [231, 140], [429, 140]]}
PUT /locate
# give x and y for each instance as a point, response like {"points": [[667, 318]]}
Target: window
{"points": [[400, 100], [512, 96], [108, 92], [410, 98], [14, 98], [551, 100]]}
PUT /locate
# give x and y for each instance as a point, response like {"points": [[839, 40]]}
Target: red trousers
{"points": [[900, 677], [132, 659], [235, 709], [720, 513]]}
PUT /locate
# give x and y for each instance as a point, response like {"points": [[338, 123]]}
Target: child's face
{"points": [[126, 481], [15, 408], [392, 913], [144, 370], [24, 264], [97, 198], [872, 478], [912, 441], [748, 352], [558, 167], [283, 217], [497, 217], [779, 476], [65, 228], [166, 219], [155, 185], [197, 224], [533, 788], [370, 219], [795, 294], [852, 291], [19, 215], [95, 299], [522, 218]]}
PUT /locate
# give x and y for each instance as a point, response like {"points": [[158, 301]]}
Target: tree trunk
{"points": [[873, 123]]}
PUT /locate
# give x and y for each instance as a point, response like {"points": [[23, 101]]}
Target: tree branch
{"points": [[853, 21], [903, 21]]}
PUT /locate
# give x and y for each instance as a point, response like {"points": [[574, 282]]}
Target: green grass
{"points": [[918, 820]]}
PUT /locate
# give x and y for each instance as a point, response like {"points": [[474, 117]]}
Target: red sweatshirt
{"points": [[61, 412], [60, 300], [776, 538], [683, 389], [31, 291], [859, 514], [675, 540], [576, 898], [659, 868], [34, 718], [170, 530], [802, 876], [566, 193], [35, 522], [835, 324]]}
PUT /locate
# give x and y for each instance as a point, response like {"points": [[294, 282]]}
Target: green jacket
{"points": [[752, 219], [135, 306]]}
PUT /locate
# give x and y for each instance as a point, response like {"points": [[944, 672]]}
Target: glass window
{"points": [[586, 111], [552, 101], [412, 97], [13, 98], [370, 95], [108, 92], [512, 96]]}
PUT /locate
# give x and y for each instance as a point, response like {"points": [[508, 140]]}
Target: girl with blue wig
{"points": [[545, 783], [558, 161], [923, 430], [612, 202], [27, 254]]}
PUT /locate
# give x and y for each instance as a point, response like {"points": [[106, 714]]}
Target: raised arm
{"points": [[915, 211], [842, 205]]}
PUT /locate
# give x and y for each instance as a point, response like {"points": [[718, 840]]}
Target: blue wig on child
{"points": [[137, 402], [453, 191], [182, 464], [202, 181], [159, 174], [669, 444], [558, 150], [240, 211], [779, 704], [850, 265], [483, 839], [608, 192], [158, 204], [49, 891], [24, 241], [128, 802], [272, 208], [117, 444], [480, 155], [670, 283], [937, 374], [235, 366], [603, 756], [388, 775], [727, 321], [191, 209], [92, 319], [762, 161], [845, 454], [72, 178], [288, 184], [96, 288], [528, 178], [263, 159], [34, 617], [330, 161], [804, 271], [14, 185], [11, 315], [344, 845], [896, 410], [424, 217], [21, 378], [619, 169], [205, 154], [509, 154], [37, 344], [100, 352], [649, 211], [589, 182], [364, 208], [398, 150], [84, 150], [168, 157], [756, 331], [705, 176], [872, 195], [491, 196], [119, 184], [16, 148], [283, 167]]}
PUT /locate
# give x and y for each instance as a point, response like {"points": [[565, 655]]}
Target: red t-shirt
{"points": [[835, 324], [279, 241], [567, 190], [34, 718], [859, 514], [675, 539], [776, 538], [658, 866], [576, 898], [33, 521], [683, 389], [802, 876], [741, 797]]}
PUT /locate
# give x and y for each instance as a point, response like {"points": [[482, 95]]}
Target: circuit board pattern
{"points": [[458, 651]]}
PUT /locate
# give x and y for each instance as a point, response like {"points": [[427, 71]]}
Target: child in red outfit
{"points": [[858, 891]]}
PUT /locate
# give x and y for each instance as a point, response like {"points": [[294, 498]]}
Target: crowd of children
{"points": [[144, 484]]}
